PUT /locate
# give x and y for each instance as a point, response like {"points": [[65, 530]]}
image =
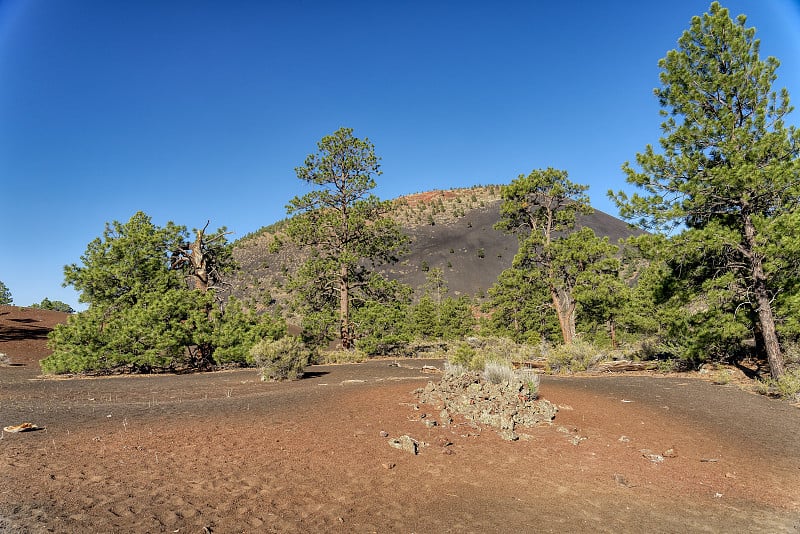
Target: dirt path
{"points": [[227, 453]]}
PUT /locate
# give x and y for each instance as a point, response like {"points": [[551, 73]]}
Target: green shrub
{"points": [[578, 356], [791, 352], [531, 379], [284, 359], [722, 377], [497, 372], [787, 386], [55, 305], [477, 351], [466, 356], [505, 349], [341, 356], [669, 365], [237, 329]]}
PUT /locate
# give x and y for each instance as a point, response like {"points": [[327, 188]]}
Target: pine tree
{"points": [[5, 295], [346, 227], [542, 209], [727, 177]]}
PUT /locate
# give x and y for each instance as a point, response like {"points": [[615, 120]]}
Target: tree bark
{"points": [[612, 329], [199, 263], [344, 309], [766, 319], [566, 315]]}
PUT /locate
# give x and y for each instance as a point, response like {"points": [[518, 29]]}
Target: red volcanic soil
{"points": [[224, 452], [429, 196]]}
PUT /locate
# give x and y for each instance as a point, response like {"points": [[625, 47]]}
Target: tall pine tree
{"points": [[727, 174]]}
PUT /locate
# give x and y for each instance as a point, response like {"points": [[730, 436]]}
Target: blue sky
{"points": [[198, 110]]}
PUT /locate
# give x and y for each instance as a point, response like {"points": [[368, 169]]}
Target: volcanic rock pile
{"points": [[502, 404]]}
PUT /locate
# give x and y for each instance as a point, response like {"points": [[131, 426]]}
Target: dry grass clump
{"points": [[787, 386], [476, 352], [498, 372], [573, 358], [341, 356]]}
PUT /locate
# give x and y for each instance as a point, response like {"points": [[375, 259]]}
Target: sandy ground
{"points": [[224, 452]]}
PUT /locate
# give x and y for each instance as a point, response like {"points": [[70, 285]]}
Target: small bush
{"points": [[341, 356], [791, 352], [498, 372], [787, 386], [579, 356], [652, 348], [505, 349], [477, 351], [669, 365], [467, 357], [454, 369], [722, 377], [284, 359], [531, 379]]}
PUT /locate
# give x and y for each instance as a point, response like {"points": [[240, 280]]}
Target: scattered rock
{"points": [[508, 434], [621, 480], [655, 458], [388, 465], [670, 453], [444, 418], [624, 439], [384, 434], [405, 443], [442, 441]]}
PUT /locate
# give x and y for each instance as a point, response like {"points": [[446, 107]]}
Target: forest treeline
{"points": [[716, 278]]}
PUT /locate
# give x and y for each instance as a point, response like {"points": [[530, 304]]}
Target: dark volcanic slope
{"points": [[472, 254], [450, 230]]}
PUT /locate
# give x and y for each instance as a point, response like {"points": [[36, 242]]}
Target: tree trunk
{"points": [[344, 309], [198, 259], [766, 319], [566, 315], [612, 329], [766, 322]]}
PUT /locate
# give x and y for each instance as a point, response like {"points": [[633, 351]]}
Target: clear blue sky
{"points": [[197, 110]]}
